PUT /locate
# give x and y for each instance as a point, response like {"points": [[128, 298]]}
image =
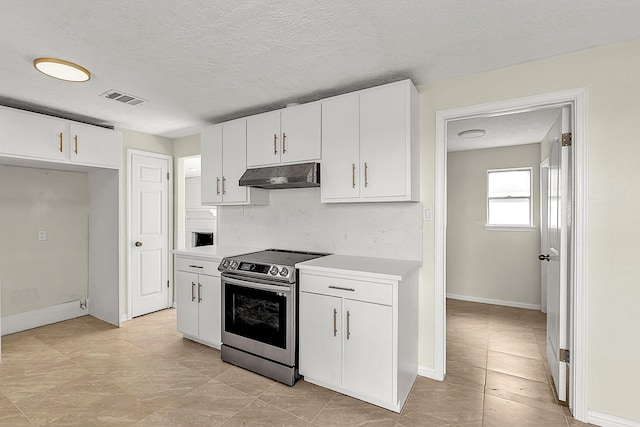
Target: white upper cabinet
{"points": [[291, 135], [26, 134], [30, 135], [370, 145], [340, 168], [92, 145], [223, 159]]}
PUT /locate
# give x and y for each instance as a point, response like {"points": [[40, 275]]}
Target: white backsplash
{"points": [[295, 219]]}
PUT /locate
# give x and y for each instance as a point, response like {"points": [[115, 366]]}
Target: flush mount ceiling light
{"points": [[472, 133], [60, 69]]}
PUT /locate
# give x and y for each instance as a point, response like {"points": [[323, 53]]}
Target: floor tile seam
{"points": [[284, 410], [519, 377], [323, 408]]}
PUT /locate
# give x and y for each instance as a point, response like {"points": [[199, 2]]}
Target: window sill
{"points": [[509, 228]]}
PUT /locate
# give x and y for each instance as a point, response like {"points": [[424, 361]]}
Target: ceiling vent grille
{"points": [[125, 98]]}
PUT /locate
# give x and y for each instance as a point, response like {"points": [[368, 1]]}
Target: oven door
{"points": [[258, 317]]}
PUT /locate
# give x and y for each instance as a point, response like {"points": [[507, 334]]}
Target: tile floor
{"points": [[84, 372]]}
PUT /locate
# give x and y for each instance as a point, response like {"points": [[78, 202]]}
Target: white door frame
{"points": [[130, 153], [578, 288], [544, 223]]}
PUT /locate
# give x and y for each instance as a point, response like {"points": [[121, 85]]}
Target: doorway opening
{"points": [[576, 100]]}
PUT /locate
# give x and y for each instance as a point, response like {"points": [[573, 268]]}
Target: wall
{"points": [[501, 266], [611, 76], [39, 274], [295, 219], [144, 142]]}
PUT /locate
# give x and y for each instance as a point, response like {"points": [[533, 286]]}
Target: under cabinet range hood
{"points": [[302, 175]]}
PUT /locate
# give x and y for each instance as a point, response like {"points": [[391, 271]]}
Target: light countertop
{"points": [[376, 268], [214, 252]]}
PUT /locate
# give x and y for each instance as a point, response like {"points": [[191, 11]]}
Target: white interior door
{"points": [[558, 199], [149, 233]]}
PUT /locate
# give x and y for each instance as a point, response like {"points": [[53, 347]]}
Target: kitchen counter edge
{"points": [[369, 267], [213, 252]]}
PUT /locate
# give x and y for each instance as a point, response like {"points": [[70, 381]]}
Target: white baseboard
{"points": [[124, 318], [44, 316], [495, 302], [428, 372], [606, 420]]}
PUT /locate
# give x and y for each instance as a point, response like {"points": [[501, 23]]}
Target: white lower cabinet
{"points": [[198, 300], [350, 339]]}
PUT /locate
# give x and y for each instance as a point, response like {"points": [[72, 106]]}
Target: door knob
{"points": [[138, 244], [543, 257]]}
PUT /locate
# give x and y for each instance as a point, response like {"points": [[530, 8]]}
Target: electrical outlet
{"points": [[42, 235]]}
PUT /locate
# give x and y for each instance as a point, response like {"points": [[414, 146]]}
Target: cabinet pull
{"points": [[275, 144], [284, 140], [348, 325], [335, 328], [199, 292], [366, 174], [75, 138], [196, 266], [223, 181], [342, 289], [60, 141], [218, 186], [353, 175], [193, 291]]}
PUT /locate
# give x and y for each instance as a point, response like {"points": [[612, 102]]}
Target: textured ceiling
{"points": [[199, 62], [503, 130]]}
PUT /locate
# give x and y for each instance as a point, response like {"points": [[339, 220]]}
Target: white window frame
{"points": [[511, 227]]}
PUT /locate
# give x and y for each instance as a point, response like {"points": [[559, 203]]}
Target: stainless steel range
{"points": [[260, 312]]}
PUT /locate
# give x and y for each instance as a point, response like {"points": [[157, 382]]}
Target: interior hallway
{"points": [[84, 372]]}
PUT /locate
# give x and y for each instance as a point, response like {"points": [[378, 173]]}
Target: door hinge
{"points": [[566, 139], [167, 283], [564, 355], [168, 172]]}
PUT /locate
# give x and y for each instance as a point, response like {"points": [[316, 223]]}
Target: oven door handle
{"points": [[253, 285]]}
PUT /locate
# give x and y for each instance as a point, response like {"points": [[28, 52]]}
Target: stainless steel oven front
{"points": [[259, 325]]}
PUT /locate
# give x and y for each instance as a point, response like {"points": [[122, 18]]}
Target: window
{"points": [[509, 201]]}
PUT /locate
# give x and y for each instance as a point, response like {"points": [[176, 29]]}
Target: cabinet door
{"points": [[211, 165], [95, 146], [209, 319], [368, 349], [33, 135], [234, 160], [187, 303], [384, 141], [300, 133], [263, 139], [321, 338], [340, 166]]}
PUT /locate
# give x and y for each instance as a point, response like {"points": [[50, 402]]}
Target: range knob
{"points": [[234, 264], [284, 271], [225, 263], [274, 270]]}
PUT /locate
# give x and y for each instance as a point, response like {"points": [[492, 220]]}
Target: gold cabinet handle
{"points": [[60, 142], [366, 174], [193, 291], [275, 143], [335, 327], [199, 292], [348, 328], [75, 138], [284, 140], [223, 189], [218, 186], [353, 175]]}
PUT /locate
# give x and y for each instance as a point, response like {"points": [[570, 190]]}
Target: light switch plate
{"points": [[428, 214], [42, 235]]}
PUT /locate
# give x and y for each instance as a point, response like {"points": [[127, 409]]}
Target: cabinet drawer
{"points": [[198, 266], [360, 290]]}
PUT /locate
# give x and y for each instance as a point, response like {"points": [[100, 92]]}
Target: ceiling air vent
{"points": [[125, 98]]}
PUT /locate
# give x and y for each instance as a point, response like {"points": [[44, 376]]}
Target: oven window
{"points": [[256, 314]]}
